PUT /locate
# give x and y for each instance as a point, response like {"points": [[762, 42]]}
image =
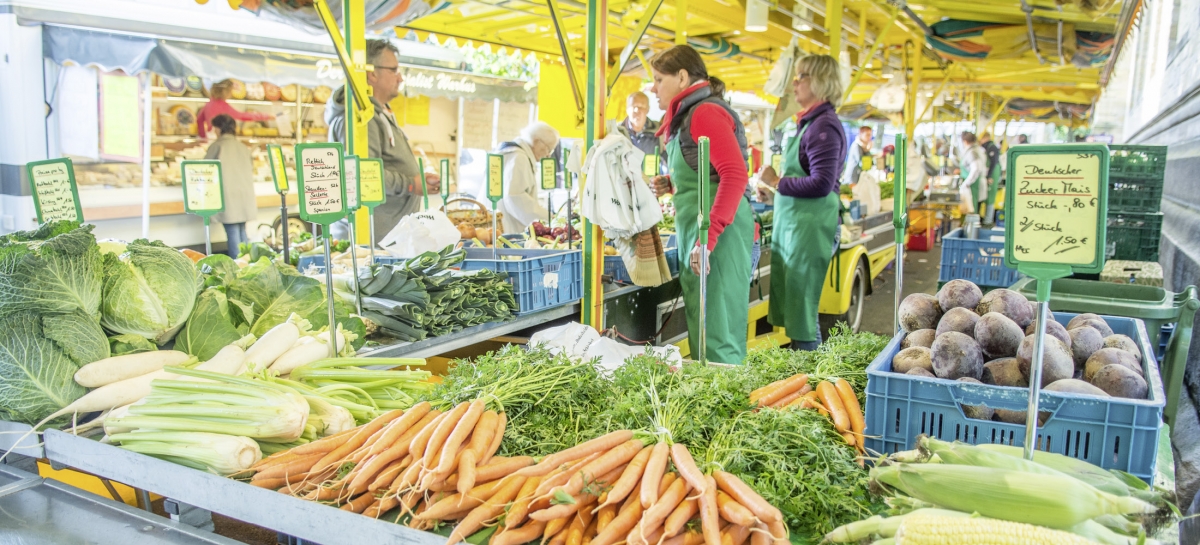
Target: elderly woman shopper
{"points": [[522, 156], [237, 178], [694, 109], [806, 231]]}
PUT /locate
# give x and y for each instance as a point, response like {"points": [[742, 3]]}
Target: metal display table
{"points": [[301, 519], [434, 346], [12, 437], [38, 511]]}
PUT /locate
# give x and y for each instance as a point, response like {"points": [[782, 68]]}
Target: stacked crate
{"points": [[1135, 188]]}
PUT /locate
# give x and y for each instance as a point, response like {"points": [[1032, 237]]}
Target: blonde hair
{"points": [[824, 77]]}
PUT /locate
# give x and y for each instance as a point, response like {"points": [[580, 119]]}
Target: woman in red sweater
{"points": [[217, 106], [694, 109]]}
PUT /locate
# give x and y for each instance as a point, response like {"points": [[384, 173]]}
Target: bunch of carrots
{"points": [[616, 489], [834, 398], [395, 459]]}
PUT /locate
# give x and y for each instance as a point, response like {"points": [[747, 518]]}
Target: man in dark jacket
{"points": [[993, 174], [385, 140]]}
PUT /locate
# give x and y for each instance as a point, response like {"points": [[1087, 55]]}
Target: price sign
{"points": [[370, 182], [549, 173], [650, 164], [320, 177], [777, 163], [202, 193], [1056, 207], [55, 195], [444, 171], [495, 177], [278, 167], [566, 173], [350, 167]]}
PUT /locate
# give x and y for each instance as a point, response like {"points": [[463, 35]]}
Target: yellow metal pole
{"points": [[996, 115], [833, 25], [862, 68], [597, 90], [353, 27], [681, 7], [913, 54], [941, 87], [645, 63]]}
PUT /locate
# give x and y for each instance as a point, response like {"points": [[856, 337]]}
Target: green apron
{"points": [[729, 267], [977, 189], [801, 249]]}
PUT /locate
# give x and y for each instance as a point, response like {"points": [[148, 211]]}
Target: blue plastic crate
{"points": [[1113, 433], [318, 261], [980, 260], [515, 238], [541, 279], [614, 266], [761, 207]]}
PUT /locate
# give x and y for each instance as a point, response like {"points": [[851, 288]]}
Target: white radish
{"points": [[300, 355], [271, 345], [342, 342], [118, 368], [227, 361]]}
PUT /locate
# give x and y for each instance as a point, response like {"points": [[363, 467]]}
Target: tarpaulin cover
{"points": [[975, 41], [1047, 110], [105, 50], [380, 14]]}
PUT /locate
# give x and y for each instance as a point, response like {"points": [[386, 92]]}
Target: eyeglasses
{"points": [[392, 69], [799, 77]]}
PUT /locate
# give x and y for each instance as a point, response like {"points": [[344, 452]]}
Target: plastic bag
{"points": [[420, 232], [578, 340], [966, 199], [867, 191]]}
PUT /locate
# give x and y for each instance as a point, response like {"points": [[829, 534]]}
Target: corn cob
{"points": [[970, 455], [1099, 533], [880, 526], [1084, 471], [1046, 500], [927, 529]]}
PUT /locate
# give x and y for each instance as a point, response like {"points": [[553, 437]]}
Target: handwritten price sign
{"points": [[202, 194], [549, 173], [320, 174], [495, 177], [1057, 205], [278, 167], [370, 182], [350, 164], [55, 195]]}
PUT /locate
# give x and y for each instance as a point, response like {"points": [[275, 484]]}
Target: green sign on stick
{"points": [[278, 168], [319, 175], [495, 177], [350, 167], [55, 195], [202, 194], [370, 182], [1055, 211], [549, 173], [444, 171]]}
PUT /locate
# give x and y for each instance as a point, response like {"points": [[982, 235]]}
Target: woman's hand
{"points": [[662, 185], [696, 261], [433, 182], [769, 176]]}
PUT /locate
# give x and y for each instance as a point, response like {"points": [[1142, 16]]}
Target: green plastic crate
{"points": [[1155, 306], [1137, 162], [1133, 237]]}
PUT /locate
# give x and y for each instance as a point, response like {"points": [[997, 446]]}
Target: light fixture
{"points": [[801, 21], [756, 15], [887, 72]]}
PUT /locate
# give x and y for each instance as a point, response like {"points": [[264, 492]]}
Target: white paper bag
{"points": [[420, 232]]}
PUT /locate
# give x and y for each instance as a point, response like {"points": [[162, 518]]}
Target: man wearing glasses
{"points": [[860, 149], [385, 140]]}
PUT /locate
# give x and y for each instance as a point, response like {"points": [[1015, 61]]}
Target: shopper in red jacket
{"points": [[217, 105], [694, 109]]}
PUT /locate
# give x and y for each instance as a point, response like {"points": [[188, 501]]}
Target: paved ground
{"points": [[920, 276]]}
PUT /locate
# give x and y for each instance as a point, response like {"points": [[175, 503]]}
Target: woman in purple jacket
{"points": [[805, 233]]}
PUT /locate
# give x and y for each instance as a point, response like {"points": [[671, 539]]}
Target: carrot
{"points": [[407, 478], [655, 516], [520, 508], [620, 526], [359, 504], [686, 466], [421, 439], [850, 402], [605, 516], [590, 532], [497, 438], [299, 465], [485, 431], [553, 528], [492, 508], [454, 441], [324, 444], [678, 519], [786, 400], [710, 523], [655, 466], [498, 468], [381, 506], [360, 437], [562, 510], [760, 535], [442, 432], [365, 474], [738, 534], [323, 493], [274, 483], [733, 511], [597, 445], [519, 536], [636, 536], [629, 479], [389, 474], [602, 465], [726, 539], [849, 437], [466, 470], [559, 477], [779, 532], [397, 428], [578, 524], [783, 389], [746, 496], [559, 539], [833, 403], [690, 537], [667, 480], [457, 502]]}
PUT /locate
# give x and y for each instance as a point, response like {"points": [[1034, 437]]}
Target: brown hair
{"points": [[683, 57], [968, 137], [221, 89]]}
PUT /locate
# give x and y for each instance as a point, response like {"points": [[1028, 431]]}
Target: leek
{"points": [[213, 452]]}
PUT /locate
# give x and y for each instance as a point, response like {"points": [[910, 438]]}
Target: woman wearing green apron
{"points": [[694, 109], [805, 234], [974, 171]]}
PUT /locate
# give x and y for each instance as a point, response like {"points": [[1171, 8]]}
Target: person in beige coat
{"points": [[237, 178]]}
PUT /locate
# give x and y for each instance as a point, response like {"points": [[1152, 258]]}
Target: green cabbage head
{"points": [[149, 290]]}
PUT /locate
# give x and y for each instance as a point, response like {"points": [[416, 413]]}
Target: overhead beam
{"points": [[564, 46], [871, 54], [634, 39]]}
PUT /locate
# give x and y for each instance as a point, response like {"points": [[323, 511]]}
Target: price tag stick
{"points": [[353, 181], [208, 238], [1055, 211], [321, 178], [421, 181], [567, 179], [899, 222], [702, 220], [354, 267], [279, 173], [495, 191], [549, 174]]}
